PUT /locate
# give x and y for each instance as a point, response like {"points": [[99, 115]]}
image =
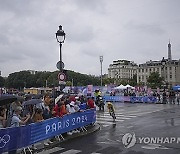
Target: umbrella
{"points": [[32, 102], [176, 87], [58, 98], [37, 96], [20, 98], [7, 99]]}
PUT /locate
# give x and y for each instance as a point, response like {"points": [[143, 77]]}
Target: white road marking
{"points": [[72, 151], [107, 115], [110, 119], [106, 122], [55, 149]]}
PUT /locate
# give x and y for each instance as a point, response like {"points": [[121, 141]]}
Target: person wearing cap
{"points": [[70, 107], [17, 120], [77, 101]]}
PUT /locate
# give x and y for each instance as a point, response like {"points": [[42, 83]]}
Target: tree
{"points": [[22, 79], [133, 81], [108, 81], [2, 81], [155, 80]]}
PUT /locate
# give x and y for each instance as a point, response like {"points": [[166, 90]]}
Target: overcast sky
{"points": [[136, 30]]}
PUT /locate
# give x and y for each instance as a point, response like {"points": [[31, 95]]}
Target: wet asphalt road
{"points": [[156, 128]]}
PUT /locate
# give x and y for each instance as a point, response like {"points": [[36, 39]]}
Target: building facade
{"points": [[167, 68], [122, 70], [170, 71]]}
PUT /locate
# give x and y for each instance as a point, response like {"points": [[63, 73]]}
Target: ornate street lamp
{"points": [[163, 63], [101, 60], [60, 36]]}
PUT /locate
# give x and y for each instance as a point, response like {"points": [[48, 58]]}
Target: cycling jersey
{"points": [[110, 107]]}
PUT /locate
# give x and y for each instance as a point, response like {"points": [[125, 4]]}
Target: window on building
{"points": [[170, 76]]}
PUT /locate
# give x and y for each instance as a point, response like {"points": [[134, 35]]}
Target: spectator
{"points": [[77, 101], [90, 102], [82, 99], [14, 105], [37, 115], [45, 107], [2, 117], [178, 97], [70, 107], [164, 98], [172, 97], [17, 120], [60, 108], [46, 112]]}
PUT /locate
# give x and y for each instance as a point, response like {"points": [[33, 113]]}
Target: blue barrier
{"points": [[143, 99], [117, 98], [83, 106], [132, 99], [18, 137]]}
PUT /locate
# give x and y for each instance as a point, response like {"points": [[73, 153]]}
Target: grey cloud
{"points": [[92, 5], [81, 34], [116, 29], [145, 28]]}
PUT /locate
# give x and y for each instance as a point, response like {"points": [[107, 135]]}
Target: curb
{"points": [[90, 130]]}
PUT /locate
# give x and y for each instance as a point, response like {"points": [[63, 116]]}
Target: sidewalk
{"points": [[40, 146]]}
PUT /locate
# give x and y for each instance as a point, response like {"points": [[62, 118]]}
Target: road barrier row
{"points": [[132, 99], [24, 136]]}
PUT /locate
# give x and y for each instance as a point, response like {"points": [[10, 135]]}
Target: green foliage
{"points": [[22, 79], [133, 81], [155, 80], [2, 81], [108, 81]]}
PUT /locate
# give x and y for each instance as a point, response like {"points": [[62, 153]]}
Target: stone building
{"points": [[122, 70], [167, 68]]}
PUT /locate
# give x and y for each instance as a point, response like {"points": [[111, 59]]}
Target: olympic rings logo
{"points": [[4, 140]]}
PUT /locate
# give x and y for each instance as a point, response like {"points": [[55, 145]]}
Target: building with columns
{"points": [[122, 70], [167, 68]]}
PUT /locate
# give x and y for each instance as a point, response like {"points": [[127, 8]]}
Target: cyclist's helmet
{"points": [[109, 103]]}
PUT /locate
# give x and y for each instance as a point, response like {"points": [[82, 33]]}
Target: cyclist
{"points": [[111, 110]]}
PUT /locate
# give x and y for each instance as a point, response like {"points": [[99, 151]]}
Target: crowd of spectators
{"points": [[19, 113]]}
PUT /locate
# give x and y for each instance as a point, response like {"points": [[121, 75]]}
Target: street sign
{"points": [[62, 82], [61, 76], [60, 65]]}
